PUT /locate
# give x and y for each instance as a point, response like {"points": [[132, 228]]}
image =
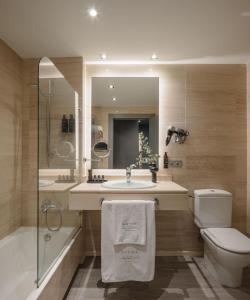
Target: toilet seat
{"points": [[228, 239]]}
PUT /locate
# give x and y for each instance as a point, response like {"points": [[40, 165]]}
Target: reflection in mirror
{"points": [[124, 117], [57, 114], [65, 150]]}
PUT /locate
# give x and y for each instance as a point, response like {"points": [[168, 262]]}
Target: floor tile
{"points": [[176, 278]]}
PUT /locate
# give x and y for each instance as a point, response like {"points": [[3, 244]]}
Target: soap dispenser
{"points": [[165, 160], [71, 124], [65, 124], [153, 170]]}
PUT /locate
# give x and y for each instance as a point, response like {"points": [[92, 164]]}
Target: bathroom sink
{"points": [[115, 184], [43, 182]]}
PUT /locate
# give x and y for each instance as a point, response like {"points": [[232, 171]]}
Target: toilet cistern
{"points": [[128, 174]]}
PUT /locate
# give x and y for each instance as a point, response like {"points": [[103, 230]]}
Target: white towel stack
{"points": [[128, 240]]}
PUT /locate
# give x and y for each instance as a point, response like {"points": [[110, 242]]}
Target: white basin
{"points": [[44, 182], [134, 184]]}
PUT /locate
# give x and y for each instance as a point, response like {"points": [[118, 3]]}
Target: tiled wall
{"points": [[209, 101], [215, 152], [11, 142], [30, 145]]}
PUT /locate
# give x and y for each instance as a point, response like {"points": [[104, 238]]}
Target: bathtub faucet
{"points": [[47, 207]]}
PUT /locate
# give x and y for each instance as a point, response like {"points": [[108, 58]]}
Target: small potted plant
{"points": [[146, 158]]}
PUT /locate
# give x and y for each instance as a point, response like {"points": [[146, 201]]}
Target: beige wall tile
{"points": [[248, 149], [11, 95], [210, 102]]}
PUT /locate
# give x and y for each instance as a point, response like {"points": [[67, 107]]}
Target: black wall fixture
{"points": [[179, 134]]}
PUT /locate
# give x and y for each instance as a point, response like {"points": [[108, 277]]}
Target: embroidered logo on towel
{"points": [[129, 226], [129, 255]]}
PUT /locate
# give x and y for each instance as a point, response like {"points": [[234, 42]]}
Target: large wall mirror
{"points": [[125, 113], [58, 119]]}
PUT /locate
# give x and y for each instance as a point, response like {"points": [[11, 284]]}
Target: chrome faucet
{"points": [[128, 174], [72, 175]]}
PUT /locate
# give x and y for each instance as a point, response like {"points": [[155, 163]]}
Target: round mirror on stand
{"points": [[101, 150]]}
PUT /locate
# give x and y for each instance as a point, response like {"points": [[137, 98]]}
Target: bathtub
{"points": [[18, 260]]}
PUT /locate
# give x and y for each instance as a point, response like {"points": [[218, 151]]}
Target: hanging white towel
{"points": [[127, 261], [129, 222]]}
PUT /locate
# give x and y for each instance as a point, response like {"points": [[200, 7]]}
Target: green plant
{"points": [[146, 155]]}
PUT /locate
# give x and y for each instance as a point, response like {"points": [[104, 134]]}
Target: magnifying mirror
{"points": [[101, 150]]}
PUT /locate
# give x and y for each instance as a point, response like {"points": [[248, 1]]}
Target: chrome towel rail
{"points": [[156, 201]]}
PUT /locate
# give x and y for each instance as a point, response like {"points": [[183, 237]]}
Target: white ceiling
{"points": [[177, 30], [128, 91], [48, 70]]}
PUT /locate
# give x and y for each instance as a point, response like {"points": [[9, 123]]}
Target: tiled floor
{"points": [[176, 278]]}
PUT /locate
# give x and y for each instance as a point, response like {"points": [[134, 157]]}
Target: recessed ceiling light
{"points": [[154, 56], [111, 86], [92, 12], [114, 99], [103, 56]]}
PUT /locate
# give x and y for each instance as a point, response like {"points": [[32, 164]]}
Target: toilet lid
{"points": [[212, 193], [229, 239]]}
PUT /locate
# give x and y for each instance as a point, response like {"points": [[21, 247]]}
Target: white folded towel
{"points": [[127, 261], [129, 222]]}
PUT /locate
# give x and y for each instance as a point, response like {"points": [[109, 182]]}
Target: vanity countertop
{"points": [[58, 187], [162, 187]]}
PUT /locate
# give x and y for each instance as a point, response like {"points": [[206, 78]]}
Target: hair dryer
{"points": [[171, 131], [180, 135]]}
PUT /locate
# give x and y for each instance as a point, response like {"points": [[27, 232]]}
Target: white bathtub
{"points": [[18, 259]]}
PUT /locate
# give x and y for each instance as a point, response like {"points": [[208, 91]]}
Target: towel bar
{"points": [[156, 201]]}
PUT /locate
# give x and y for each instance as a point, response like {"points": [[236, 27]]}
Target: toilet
{"points": [[226, 250]]}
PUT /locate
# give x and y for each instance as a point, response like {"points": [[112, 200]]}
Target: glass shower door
{"points": [[58, 160]]}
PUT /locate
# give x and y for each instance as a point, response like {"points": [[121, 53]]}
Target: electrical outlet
{"points": [[175, 163]]}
